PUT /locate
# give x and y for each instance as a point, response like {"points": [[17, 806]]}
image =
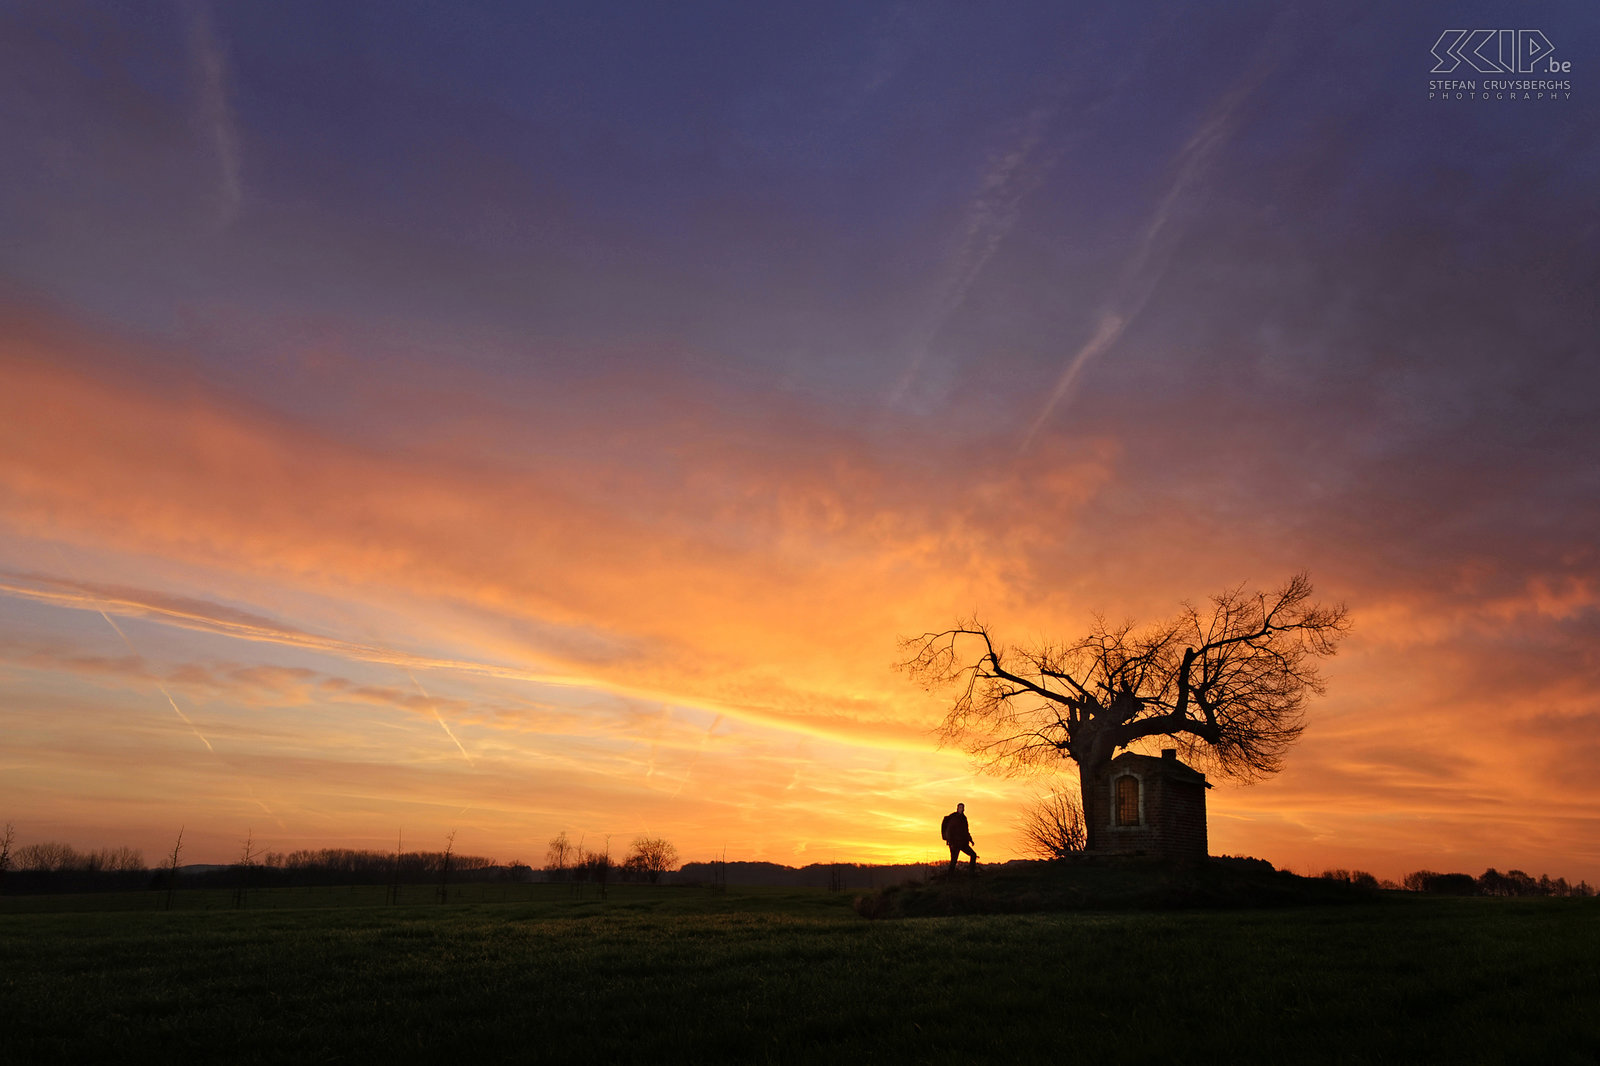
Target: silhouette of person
{"points": [[956, 833]]}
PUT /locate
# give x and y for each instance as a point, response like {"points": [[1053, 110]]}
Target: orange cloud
{"points": [[763, 585]]}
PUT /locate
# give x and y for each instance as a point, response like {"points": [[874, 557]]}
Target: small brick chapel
{"points": [[1148, 806]]}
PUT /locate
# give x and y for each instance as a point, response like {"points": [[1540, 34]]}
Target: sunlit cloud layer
{"points": [[558, 430]]}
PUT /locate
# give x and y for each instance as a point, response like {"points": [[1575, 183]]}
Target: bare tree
{"points": [[172, 866], [1228, 683], [392, 893], [116, 860], [652, 857], [247, 857], [596, 866], [7, 838], [1052, 827], [558, 855], [444, 867], [50, 856]]}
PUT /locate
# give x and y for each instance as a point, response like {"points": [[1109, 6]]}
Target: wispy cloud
{"points": [[1144, 266], [213, 110], [1009, 178]]}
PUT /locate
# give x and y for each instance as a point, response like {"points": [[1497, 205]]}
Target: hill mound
{"points": [[1105, 883]]}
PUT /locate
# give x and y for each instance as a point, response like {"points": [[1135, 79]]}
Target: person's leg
{"points": [[955, 855], [967, 847]]}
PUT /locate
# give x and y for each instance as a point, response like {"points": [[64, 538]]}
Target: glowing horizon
{"points": [[532, 428]]}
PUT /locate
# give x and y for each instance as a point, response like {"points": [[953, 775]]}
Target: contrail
{"points": [[1109, 331], [170, 701], [262, 631], [655, 740], [214, 114], [990, 218], [697, 753], [270, 812], [191, 615], [439, 717], [159, 686], [1138, 278], [1042, 137]]}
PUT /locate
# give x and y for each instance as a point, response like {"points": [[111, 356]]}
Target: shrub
{"points": [[1359, 878]]}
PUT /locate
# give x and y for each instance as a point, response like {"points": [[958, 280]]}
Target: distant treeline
{"points": [[54, 857], [1490, 883], [599, 868], [349, 866], [835, 875], [56, 867]]}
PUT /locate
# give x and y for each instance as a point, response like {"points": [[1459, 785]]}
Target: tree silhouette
{"points": [[1229, 684], [595, 866], [392, 893], [651, 857], [558, 855], [247, 858], [1052, 827], [444, 867], [172, 866]]}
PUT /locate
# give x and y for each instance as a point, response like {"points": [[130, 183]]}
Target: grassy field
{"points": [[536, 973]]}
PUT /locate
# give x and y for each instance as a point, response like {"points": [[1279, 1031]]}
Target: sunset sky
{"points": [[514, 418]]}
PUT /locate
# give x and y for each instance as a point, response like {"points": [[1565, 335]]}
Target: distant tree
{"points": [[1359, 878], [7, 838], [115, 860], [1511, 883], [391, 892], [1228, 683], [652, 857], [596, 867], [558, 855], [1441, 884], [172, 867], [444, 867], [247, 856], [1052, 826], [48, 857]]}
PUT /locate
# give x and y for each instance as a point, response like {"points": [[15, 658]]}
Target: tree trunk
{"points": [[1096, 804]]}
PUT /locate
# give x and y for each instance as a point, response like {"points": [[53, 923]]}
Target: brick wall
{"points": [[1180, 823], [1173, 808]]}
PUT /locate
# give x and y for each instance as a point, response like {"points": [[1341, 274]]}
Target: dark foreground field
{"points": [[535, 973]]}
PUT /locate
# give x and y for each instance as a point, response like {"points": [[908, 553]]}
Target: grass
{"points": [[792, 975]]}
